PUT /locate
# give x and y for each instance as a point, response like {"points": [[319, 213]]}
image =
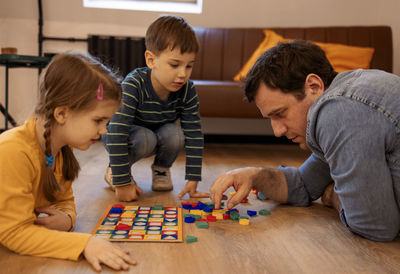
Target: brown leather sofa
{"points": [[224, 51]]}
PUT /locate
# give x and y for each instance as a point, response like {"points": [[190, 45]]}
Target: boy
{"points": [[154, 99]]}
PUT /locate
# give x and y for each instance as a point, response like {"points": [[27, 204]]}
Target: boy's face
{"points": [[170, 69]]}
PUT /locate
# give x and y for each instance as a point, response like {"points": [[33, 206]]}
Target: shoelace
{"points": [[160, 173]]}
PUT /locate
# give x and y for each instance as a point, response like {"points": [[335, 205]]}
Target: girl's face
{"points": [[82, 128]]}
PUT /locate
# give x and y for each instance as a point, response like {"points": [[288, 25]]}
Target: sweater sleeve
{"points": [[118, 130], [191, 126], [17, 201]]}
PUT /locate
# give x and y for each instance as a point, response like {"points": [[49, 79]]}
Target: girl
{"points": [[78, 96]]}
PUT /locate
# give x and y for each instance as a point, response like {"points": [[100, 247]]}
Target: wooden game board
{"points": [[140, 224]]}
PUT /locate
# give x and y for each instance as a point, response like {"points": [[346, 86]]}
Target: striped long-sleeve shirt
{"points": [[141, 106]]}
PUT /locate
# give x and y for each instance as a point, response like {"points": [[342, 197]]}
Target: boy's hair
{"points": [[72, 80], [286, 67], [171, 32]]}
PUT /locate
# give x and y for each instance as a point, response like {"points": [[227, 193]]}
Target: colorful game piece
{"points": [[139, 223], [264, 212], [202, 224], [211, 218], [244, 221], [251, 212], [189, 219], [191, 239]]}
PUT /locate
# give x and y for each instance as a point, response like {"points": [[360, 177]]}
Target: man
{"points": [[349, 121]]}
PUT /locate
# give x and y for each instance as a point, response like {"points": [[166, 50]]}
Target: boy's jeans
{"points": [[166, 143]]}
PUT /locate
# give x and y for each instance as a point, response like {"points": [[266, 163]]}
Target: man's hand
{"points": [[240, 179], [128, 193], [99, 251], [191, 188], [55, 219]]}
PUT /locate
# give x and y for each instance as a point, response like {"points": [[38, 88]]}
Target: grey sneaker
{"points": [[161, 178], [108, 178]]}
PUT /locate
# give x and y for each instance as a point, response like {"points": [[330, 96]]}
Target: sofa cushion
{"points": [[342, 57]]}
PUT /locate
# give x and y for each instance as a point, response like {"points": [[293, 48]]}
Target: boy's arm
{"points": [[118, 130], [191, 126]]}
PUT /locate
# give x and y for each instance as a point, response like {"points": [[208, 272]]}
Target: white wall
{"points": [[19, 26]]}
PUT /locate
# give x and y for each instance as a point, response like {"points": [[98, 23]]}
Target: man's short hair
{"points": [[286, 67], [171, 32]]}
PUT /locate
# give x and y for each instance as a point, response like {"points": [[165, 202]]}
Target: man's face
{"points": [[288, 114]]}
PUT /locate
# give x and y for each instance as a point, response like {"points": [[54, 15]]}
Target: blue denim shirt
{"points": [[353, 132]]}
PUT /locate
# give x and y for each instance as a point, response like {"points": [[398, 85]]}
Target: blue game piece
{"points": [[115, 210], [189, 219], [251, 212], [261, 196]]}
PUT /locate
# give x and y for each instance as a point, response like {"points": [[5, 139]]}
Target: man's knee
{"points": [[376, 230]]}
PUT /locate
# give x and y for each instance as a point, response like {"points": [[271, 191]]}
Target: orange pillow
{"points": [[342, 57]]}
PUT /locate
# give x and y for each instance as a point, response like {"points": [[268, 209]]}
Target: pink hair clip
{"points": [[100, 92]]}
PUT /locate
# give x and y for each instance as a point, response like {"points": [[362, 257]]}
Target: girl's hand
{"points": [[99, 251], [191, 188], [56, 219]]}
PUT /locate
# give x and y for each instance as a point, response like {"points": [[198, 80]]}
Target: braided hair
{"points": [[71, 80]]}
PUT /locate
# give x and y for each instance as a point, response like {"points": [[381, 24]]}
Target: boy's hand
{"points": [[99, 251], [191, 188], [128, 193], [56, 219]]}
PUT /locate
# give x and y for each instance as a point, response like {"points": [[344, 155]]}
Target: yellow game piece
{"points": [[195, 212], [244, 221], [232, 194]]}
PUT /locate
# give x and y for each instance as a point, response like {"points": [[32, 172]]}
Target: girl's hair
{"points": [[71, 80]]}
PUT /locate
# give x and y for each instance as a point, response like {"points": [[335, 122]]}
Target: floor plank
{"points": [[290, 240]]}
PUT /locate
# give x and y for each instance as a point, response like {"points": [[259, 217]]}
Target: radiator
{"points": [[123, 54]]}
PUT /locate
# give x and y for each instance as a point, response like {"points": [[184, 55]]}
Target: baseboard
{"points": [[245, 139]]}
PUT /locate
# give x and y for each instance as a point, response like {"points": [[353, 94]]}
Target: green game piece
{"points": [[196, 216], [191, 239], [209, 204], [264, 212], [202, 224], [187, 215], [222, 203], [234, 215], [243, 217], [158, 207]]}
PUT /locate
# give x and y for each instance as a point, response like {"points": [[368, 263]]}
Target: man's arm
{"points": [[269, 181]]}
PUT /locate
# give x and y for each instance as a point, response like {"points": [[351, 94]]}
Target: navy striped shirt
{"points": [[141, 106]]}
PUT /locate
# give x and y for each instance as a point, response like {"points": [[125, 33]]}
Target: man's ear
{"points": [[61, 114], [150, 57], [314, 84]]}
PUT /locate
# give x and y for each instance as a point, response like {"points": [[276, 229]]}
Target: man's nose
{"points": [[279, 128]]}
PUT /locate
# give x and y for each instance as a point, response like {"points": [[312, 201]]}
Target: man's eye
{"points": [[174, 65]]}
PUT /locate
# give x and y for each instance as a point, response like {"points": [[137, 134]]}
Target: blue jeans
{"points": [[165, 143]]}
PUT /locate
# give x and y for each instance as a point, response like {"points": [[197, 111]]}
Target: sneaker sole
{"points": [[162, 189]]}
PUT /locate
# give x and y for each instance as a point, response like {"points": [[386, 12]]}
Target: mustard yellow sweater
{"points": [[21, 167]]}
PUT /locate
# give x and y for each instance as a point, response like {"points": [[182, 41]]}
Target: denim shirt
{"points": [[353, 132]]}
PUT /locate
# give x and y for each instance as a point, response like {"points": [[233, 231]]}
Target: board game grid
{"points": [[140, 224]]}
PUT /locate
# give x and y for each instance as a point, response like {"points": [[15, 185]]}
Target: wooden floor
{"points": [[290, 240]]}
